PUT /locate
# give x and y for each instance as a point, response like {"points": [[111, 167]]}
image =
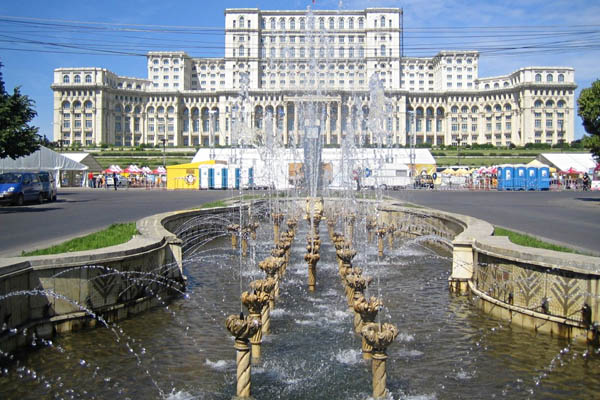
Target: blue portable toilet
{"points": [[532, 173], [251, 176], [211, 178], [237, 178], [224, 179], [505, 177], [520, 178], [543, 179]]}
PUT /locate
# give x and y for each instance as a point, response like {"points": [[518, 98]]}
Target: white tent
{"points": [[582, 162], [46, 160]]}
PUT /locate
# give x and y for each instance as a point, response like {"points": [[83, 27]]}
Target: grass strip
{"points": [[212, 204], [529, 241], [113, 235]]}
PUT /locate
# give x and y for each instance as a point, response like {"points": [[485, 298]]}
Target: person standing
{"points": [[115, 179]]}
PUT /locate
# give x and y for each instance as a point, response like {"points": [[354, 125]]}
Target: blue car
{"points": [[18, 187]]}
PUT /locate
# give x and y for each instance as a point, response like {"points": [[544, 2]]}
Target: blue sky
{"points": [[510, 34]]}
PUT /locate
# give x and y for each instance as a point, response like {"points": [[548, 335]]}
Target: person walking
{"points": [[115, 179]]}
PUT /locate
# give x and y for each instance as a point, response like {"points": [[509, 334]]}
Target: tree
{"points": [[17, 138], [588, 106]]}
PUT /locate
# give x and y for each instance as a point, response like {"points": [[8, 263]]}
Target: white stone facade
{"points": [[287, 54]]}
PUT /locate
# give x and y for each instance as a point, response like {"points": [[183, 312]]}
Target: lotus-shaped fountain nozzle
{"points": [[242, 328], [255, 301], [380, 336], [368, 309], [346, 255]]}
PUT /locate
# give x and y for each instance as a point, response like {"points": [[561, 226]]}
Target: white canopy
{"points": [[42, 160], [581, 162]]}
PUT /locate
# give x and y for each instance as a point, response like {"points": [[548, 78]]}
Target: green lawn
{"points": [[113, 235], [529, 241]]}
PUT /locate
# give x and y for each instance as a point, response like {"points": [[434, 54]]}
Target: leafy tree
{"points": [[17, 138], [588, 106]]}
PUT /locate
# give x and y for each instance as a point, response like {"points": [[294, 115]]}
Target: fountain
{"points": [[195, 354]]}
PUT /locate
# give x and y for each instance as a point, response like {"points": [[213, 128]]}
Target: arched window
{"points": [[341, 23], [322, 52], [549, 78], [171, 110], [88, 79], [440, 112], [322, 23], [561, 78], [507, 107], [77, 79], [361, 23], [549, 104], [464, 109], [361, 52], [474, 109], [487, 86], [87, 105], [382, 49], [429, 112], [341, 52], [454, 109], [150, 110], [302, 24], [65, 78], [241, 51], [137, 109], [117, 108], [538, 77], [496, 85], [351, 23], [282, 24], [160, 110], [538, 104], [292, 24], [498, 108], [560, 104], [241, 22], [488, 109], [331, 24], [263, 23], [273, 54], [127, 108], [273, 23], [506, 84], [66, 105], [382, 23]]}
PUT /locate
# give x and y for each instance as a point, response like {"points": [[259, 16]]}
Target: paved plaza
{"points": [[572, 218]]}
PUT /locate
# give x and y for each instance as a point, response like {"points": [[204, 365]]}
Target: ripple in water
{"points": [[220, 365], [348, 357]]}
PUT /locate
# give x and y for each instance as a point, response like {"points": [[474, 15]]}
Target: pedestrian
{"points": [[115, 179], [91, 179]]}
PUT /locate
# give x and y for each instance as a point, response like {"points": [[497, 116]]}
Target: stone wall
{"points": [[543, 290]]}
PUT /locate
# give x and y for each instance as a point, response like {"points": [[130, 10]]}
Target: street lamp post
{"points": [[211, 132], [164, 141], [458, 141]]}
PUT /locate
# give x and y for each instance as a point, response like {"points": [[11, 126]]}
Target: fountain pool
{"points": [[446, 348]]}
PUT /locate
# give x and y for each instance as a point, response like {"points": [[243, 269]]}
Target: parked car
{"points": [[19, 187], [48, 185], [424, 181]]}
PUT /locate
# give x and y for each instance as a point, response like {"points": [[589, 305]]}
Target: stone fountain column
{"points": [[292, 223], [312, 259], [371, 226], [253, 226], [379, 336], [234, 230], [277, 220], [345, 255], [381, 232], [266, 286], [242, 329], [246, 232], [391, 229], [350, 220], [365, 313], [255, 302], [331, 226], [357, 284]]}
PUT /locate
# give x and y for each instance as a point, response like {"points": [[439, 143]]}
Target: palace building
{"points": [[325, 57]]}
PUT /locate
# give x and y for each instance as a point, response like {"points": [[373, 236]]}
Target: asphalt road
{"points": [[568, 217], [571, 218], [80, 211]]}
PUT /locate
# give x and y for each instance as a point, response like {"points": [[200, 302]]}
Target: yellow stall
{"points": [[186, 176]]}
